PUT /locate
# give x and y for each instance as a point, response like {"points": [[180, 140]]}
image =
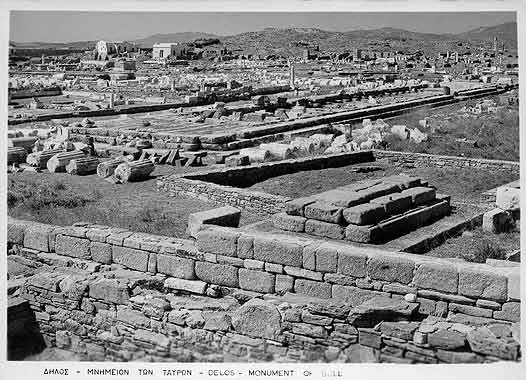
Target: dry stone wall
{"points": [[111, 294]]}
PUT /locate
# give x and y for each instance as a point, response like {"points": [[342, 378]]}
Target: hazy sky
{"points": [[51, 26]]}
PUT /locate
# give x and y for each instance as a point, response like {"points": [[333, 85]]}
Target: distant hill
{"points": [[172, 37], [504, 32]]}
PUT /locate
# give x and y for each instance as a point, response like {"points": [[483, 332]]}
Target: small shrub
{"points": [[485, 250]]}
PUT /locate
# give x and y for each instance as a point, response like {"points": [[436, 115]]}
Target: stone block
{"points": [[420, 195], [217, 274], [253, 264], [15, 231], [482, 284], [511, 311], [352, 263], [287, 222], [36, 236], [487, 304], [364, 214], [354, 296], [284, 284], [395, 227], [379, 190], [446, 339], [370, 338], [72, 247], [152, 263], [132, 317], [455, 357], [226, 216], [176, 266], [399, 330], [324, 229], [245, 247], [309, 330], [297, 206], [101, 252], [274, 268], [326, 258], [483, 341], [109, 290], [309, 255], [508, 198], [439, 277], [391, 268], [277, 249], [362, 234], [396, 203], [130, 258], [312, 288], [496, 220], [198, 287], [470, 310], [324, 212], [218, 240], [316, 319], [256, 281], [257, 319], [304, 273], [343, 197]]}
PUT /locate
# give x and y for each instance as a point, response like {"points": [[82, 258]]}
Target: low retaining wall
{"points": [[219, 185], [121, 296], [432, 160]]}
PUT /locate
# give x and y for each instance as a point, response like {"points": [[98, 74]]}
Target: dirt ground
{"points": [[64, 199]]}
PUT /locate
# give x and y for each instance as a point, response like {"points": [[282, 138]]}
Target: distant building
{"points": [[164, 50], [12, 49], [105, 50]]}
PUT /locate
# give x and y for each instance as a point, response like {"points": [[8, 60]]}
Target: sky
{"points": [[53, 26]]}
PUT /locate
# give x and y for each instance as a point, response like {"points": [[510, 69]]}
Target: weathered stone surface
{"points": [[309, 330], [324, 229], [315, 319], [483, 341], [36, 236], [309, 255], [352, 263], [297, 206], [245, 247], [304, 273], [101, 252], [400, 330], [445, 297], [483, 284], [363, 214], [198, 287], [324, 211], [437, 277], [446, 339], [370, 338], [253, 264], [508, 198], [511, 311], [132, 317], [217, 274], [218, 240], [289, 222], [488, 304], [109, 290], [496, 220], [420, 195], [378, 309], [256, 281], [312, 288], [362, 234], [176, 266], [258, 319], [470, 310], [217, 321], [393, 203], [340, 279], [15, 231], [130, 258], [353, 295], [458, 357], [274, 268], [284, 283], [226, 216], [392, 269], [399, 289], [278, 250], [326, 258], [72, 247]]}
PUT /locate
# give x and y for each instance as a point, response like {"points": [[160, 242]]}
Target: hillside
{"points": [[172, 37], [504, 32]]}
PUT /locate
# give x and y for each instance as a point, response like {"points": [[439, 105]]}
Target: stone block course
{"points": [[36, 236], [278, 250], [176, 266], [364, 214], [289, 222], [326, 258], [72, 247], [221, 241], [312, 288], [352, 263], [482, 284], [256, 281], [389, 268], [394, 203], [217, 274], [324, 212], [439, 277], [324, 229], [130, 258], [363, 234], [101, 252]]}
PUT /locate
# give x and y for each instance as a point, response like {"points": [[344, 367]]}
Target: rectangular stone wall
{"points": [[93, 305], [268, 263], [432, 160]]}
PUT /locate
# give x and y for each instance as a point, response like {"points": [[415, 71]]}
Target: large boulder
{"points": [[258, 319]]}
